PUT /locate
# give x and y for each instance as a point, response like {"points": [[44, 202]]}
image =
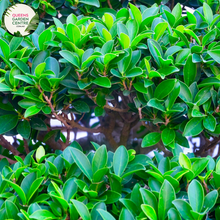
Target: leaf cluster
{"points": [[107, 185]]}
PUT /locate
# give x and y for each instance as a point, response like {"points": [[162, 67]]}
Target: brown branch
{"points": [[26, 146], [206, 147], [125, 132], [48, 100], [9, 160], [90, 130], [8, 146], [109, 4], [116, 109]]}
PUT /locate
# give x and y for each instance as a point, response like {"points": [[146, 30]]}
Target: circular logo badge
{"points": [[20, 20]]}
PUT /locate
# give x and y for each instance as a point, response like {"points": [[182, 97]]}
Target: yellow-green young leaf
{"points": [[149, 212], [73, 33], [151, 139], [166, 196], [159, 30], [184, 161], [81, 209], [168, 135], [193, 127], [108, 19], [136, 13], [209, 123], [124, 40], [107, 36], [120, 160], [32, 110], [40, 153], [40, 69], [189, 71]]}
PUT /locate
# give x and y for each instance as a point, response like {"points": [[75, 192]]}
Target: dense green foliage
{"points": [[164, 67], [106, 185]]}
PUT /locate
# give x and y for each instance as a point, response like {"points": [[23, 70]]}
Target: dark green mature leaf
{"points": [[24, 129], [91, 2], [193, 127], [81, 106], [173, 214], [166, 196], [18, 190], [81, 209], [105, 215], [11, 210], [69, 189], [21, 65], [189, 71], [100, 159], [196, 195], [164, 88], [45, 84], [215, 54], [82, 162], [168, 135], [7, 123], [184, 208], [209, 123], [4, 88]]}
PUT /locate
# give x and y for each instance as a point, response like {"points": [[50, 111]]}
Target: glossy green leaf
{"points": [[120, 160], [151, 139]]}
